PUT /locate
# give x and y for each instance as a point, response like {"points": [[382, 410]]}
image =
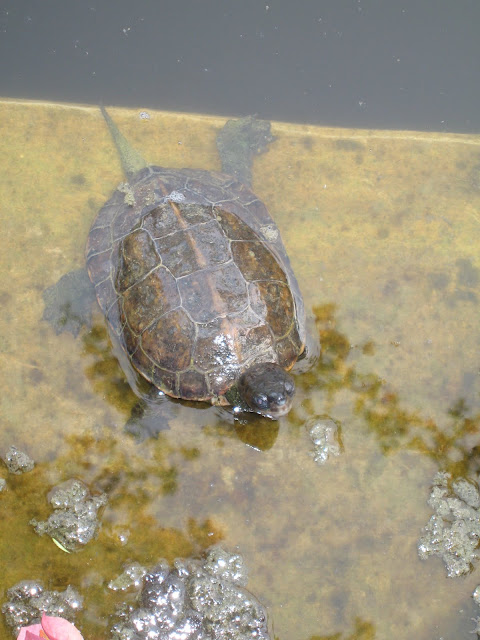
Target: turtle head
{"points": [[267, 389]]}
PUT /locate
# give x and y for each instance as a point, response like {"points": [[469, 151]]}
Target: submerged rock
{"points": [[453, 532], [28, 599], [132, 576], [195, 600], [18, 461], [476, 599], [74, 521], [325, 436]]}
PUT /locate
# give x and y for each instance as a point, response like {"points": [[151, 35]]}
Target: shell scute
{"points": [[107, 213], [273, 301], [106, 294], [160, 221], [99, 240], [99, 267], [126, 219], [214, 193], [288, 348], [169, 341], [233, 226], [179, 254], [257, 261], [192, 385], [213, 292], [137, 256], [150, 299], [166, 380], [221, 379]]}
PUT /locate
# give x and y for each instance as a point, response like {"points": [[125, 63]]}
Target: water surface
{"points": [[382, 229]]}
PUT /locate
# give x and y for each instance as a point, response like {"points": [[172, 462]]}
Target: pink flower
{"points": [[50, 629]]}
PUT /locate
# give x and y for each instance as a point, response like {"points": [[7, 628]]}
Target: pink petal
{"points": [[59, 629], [31, 632]]}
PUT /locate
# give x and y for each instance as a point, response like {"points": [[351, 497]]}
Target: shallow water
{"points": [[382, 230]]}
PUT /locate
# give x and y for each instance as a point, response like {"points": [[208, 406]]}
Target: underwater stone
{"points": [[325, 437], [28, 599], [476, 599], [123, 536], [453, 532], [152, 582], [17, 461], [476, 595], [3, 484], [75, 520], [226, 566], [132, 576], [228, 611], [195, 600], [468, 492], [68, 494], [477, 626]]}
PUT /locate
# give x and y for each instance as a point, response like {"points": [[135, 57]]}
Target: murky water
{"points": [[383, 233]]}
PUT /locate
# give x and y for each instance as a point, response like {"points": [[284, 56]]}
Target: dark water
{"points": [[361, 63]]}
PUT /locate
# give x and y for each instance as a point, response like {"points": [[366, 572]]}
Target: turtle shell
{"points": [[192, 276]]}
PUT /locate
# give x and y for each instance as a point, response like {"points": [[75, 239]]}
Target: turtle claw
{"points": [[68, 303]]}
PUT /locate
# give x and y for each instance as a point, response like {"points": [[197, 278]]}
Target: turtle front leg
{"points": [[68, 302], [151, 415], [238, 142]]}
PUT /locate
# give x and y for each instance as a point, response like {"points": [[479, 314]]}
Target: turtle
{"points": [[192, 276]]}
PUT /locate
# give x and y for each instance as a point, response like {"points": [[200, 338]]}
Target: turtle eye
{"points": [[260, 400], [276, 398], [289, 387]]}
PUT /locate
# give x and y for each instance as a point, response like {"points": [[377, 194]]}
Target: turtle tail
{"points": [[131, 160]]}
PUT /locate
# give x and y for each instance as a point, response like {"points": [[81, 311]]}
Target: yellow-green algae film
{"points": [[382, 229]]}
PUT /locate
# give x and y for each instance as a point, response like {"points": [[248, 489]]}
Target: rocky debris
{"points": [[74, 521], [326, 440], [195, 600], [132, 576], [18, 461], [28, 599], [453, 532]]}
